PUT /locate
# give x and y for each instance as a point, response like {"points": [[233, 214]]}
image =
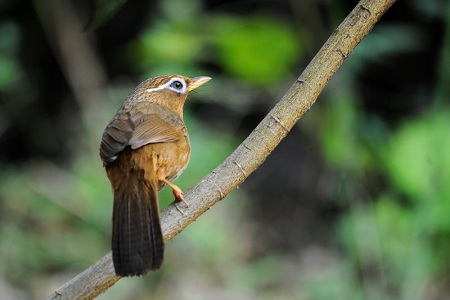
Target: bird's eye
{"points": [[177, 85]]}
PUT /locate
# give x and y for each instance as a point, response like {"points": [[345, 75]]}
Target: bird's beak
{"points": [[197, 81]]}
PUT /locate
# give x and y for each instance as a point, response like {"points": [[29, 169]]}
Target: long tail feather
{"points": [[137, 241]]}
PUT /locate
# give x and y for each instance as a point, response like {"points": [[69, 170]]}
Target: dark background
{"points": [[353, 204]]}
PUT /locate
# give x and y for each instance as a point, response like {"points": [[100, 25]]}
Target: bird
{"points": [[144, 148]]}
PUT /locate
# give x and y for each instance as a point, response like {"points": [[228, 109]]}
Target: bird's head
{"points": [[169, 90]]}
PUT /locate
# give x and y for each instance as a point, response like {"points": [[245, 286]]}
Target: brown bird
{"points": [[144, 148]]}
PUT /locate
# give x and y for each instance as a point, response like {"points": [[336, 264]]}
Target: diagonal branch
{"points": [[253, 150]]}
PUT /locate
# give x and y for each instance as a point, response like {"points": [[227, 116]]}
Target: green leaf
{"points": [[417, 157], [261, 51]]}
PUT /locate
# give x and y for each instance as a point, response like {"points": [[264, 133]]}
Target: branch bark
{"points": [[253, 150]]}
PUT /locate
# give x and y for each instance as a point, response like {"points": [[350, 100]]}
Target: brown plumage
{"points": [[144, 148]]}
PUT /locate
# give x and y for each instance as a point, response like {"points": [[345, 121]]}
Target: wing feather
{"points": [[134, 130]]}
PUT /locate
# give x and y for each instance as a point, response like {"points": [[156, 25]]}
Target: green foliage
{"points": [[167, 48], [340, 123], [37, 233], [258, 50], [408, 39], [401, 235], [423, 146], [10, 69], [418, 164], [104, 11], [337, 282]]}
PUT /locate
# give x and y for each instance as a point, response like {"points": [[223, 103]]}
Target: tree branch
{"points": [[253, 150]]}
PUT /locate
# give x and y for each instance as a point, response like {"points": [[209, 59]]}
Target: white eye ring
{"points": [[178, 85]]}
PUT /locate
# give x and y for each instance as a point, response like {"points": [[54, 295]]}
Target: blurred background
{"points": [[353, 204]]}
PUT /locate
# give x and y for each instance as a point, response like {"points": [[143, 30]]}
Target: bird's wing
{"points": [[135, 131]]}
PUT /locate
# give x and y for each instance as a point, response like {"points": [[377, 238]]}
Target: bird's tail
{"points": [[137, 241]]}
